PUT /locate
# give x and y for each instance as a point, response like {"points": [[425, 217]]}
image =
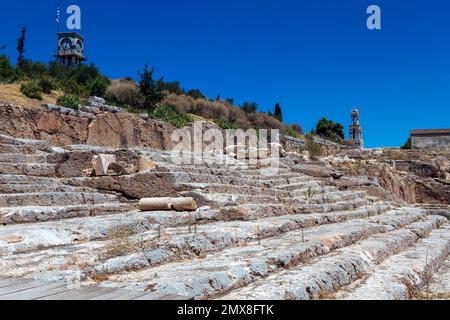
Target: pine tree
{"points": [[150, 89], [21, 48], [278, 114]]}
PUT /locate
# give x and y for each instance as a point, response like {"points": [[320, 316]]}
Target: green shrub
{"points": [[330, 130], [31, 90], [225, 124], [46, 84], [98, 86], [169, 113], [314, 149], [68, 101], [291, 132], [72, 87]]}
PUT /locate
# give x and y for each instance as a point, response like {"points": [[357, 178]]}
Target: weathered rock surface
{"points": [[106, 129]]}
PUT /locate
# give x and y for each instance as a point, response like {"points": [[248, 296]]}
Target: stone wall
{"points": [[104, 129], [431, 142], [291, 144]]}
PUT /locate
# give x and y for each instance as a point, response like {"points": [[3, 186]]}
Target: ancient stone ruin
{"points": [[430, 139], [95, 197]]}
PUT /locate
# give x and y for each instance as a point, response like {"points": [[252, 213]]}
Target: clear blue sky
{"points": [[316, 58]]}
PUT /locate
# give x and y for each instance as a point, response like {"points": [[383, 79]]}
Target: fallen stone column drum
{"points": [[179, 204]]}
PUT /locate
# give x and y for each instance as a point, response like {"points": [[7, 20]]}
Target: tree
{"points": [[150, 89], [407, 145], [278, 114], [196, 94], [172, 87], [6, 69], [328, 129], [229, 101], [21, 47], [249, 107], [97, 86]]}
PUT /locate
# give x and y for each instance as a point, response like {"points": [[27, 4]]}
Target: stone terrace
{"points": [[255, 236]]}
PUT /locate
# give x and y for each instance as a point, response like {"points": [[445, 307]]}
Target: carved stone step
{"points": [[322, 277]]}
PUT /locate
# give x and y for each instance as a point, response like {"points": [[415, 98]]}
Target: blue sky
{"points": [[316, 58]]}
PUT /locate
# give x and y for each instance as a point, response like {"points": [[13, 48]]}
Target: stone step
{"points": [[232, 268], [439, 286], [17, 179], [29, 169], [257, 211], [38, 144], [176, 243], [34, 214], [211, 236], [23, 158], [234, 180], [23, 149], [320, 278], [221, 200], [255, 175], [47, 188], [213, 188], [302, 186], [54, 199], [403, 275]]}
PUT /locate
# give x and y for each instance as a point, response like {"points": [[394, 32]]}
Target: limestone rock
{"points": [[145, 164], [102, 162], [11, 238], [96, 100]]}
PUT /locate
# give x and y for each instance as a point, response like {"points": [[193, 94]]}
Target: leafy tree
{"points": [[71, 87], [278, 114], [21, 47], [98, 86], [196, 94], [229, 101], [407, 145], [328, 129], [33, 70], [150, 89], [172, 87], [6, 69], [46, 84], [249, 107]]}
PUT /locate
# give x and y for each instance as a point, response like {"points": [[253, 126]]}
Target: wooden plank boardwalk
{"points": [[30, 289]]}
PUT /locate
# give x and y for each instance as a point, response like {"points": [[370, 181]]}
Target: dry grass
{"points": [[423, 295], [214, 110], [119, 242], [99, 277], [10, 93]]}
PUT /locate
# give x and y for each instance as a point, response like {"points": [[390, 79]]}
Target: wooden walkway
{"points": [[29, 289]]}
